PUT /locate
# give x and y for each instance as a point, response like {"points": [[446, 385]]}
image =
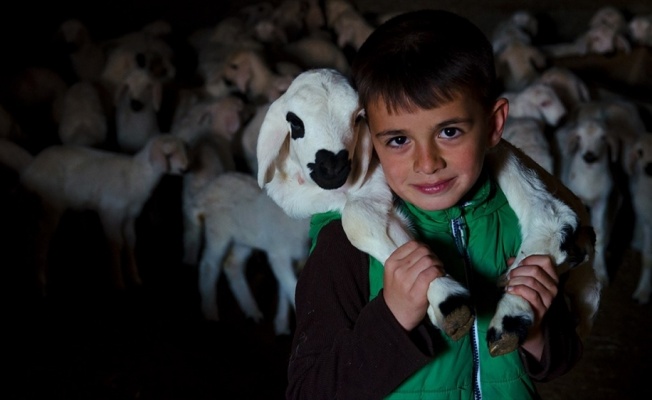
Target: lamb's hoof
{"points": [[513, 335], [458, 318]]}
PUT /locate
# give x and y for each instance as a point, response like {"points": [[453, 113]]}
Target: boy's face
{"points": [[432, 158]]}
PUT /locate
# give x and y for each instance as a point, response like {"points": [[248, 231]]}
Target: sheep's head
{"points": [[639, 157], [593, 141], [310, 134]]}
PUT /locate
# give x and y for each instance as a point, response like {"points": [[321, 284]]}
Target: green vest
{"points": [[491, 235]]}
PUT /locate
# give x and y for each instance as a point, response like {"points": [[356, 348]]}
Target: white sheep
{"points": [[238, 219], [606, 34], [83, 118], [116, 186], [137, 102], [590, 150], [519, 64], [640, 30], [351, 28], [537, 100], [317, 52], [570, 88], [639, 170], [208, 128], [520, 27], [249, 137], [251, 74], [528, 134], [314, 155]]}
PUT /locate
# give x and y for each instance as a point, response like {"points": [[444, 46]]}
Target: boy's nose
{"points": [[428, 160]]}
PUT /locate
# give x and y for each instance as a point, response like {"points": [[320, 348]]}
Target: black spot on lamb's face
{"points": [[136, 105], [648, 169], [330, 170], [296, 125]]}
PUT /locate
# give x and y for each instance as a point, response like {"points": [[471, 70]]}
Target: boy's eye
{"points": [[397, 141], [448, 133]]}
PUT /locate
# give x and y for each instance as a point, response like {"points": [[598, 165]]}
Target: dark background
{"points": [[87, 341]]}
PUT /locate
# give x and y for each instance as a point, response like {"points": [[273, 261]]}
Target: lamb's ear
{"points": [[631, 158], [273, 132], [363, 149]]}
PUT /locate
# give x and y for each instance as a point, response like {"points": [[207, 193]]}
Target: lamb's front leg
{"points": [[369, 229]]}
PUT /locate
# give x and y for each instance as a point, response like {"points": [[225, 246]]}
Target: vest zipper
{"points": [[458, 227]]}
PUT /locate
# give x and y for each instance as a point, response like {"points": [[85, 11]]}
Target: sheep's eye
{"points": [[296, 125]]}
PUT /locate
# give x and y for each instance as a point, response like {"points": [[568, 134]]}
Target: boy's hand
{"points": [[536, 280], [408, 273]]}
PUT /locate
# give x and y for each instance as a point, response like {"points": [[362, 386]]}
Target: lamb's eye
{"points": [[296, 125]]}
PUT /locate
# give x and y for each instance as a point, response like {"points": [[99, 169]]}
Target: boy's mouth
{"points": [[434, 188]]}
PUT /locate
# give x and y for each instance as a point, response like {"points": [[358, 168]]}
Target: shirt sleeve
{"points": [[344, 345], [562, 349]]}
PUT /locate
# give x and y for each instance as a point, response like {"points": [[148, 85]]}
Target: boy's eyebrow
{"points": [[440, 125]]}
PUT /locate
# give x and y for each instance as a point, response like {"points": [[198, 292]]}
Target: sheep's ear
{"points": [[631, 159], [273, 132], [363, 146], [614, 147]]}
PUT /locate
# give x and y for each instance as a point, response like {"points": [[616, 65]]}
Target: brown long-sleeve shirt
{"points": [[348, 347]]}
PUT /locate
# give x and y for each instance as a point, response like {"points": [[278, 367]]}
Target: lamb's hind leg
{"points": [[235, 265]]}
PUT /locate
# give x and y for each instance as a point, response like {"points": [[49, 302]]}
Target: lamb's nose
{"points": [[136, 105], [648, 169], [330, 170], [590, 157]]}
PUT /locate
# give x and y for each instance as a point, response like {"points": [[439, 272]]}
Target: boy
{"points": [[427, 82]]}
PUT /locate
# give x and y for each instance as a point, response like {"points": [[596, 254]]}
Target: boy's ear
{"points": [[497, 121]]}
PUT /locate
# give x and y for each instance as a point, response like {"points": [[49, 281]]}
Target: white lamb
{"points": [[537, 100], [251, 74], [238, 219], [639, 162], [137, 102], [315, 155], [591, 149], [519, 64], [640, 30], [570, 88], [528, 134], [114, 185]]}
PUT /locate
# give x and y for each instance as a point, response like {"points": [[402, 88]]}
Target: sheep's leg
{"points": [[234, 268], [209, 272], [283, 308], [599, 220], [112, 225], [368, 228], [129, 230], [192, 233], [48, 224], [283, 270], [644, 288]]}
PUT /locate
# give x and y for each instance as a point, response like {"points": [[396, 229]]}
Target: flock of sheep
{"points": [[126, 118]]}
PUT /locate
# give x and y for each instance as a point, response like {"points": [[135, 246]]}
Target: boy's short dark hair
{"points": [[424, 59]]}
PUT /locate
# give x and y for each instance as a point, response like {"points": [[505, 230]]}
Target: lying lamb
{"points": [[239, 218], [116, 186], [314, 128]]}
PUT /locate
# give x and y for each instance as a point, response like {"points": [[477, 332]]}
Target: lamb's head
{"points": [[311, 140], [593, 141], [639, 157], [545, 100], [167, 154]]}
